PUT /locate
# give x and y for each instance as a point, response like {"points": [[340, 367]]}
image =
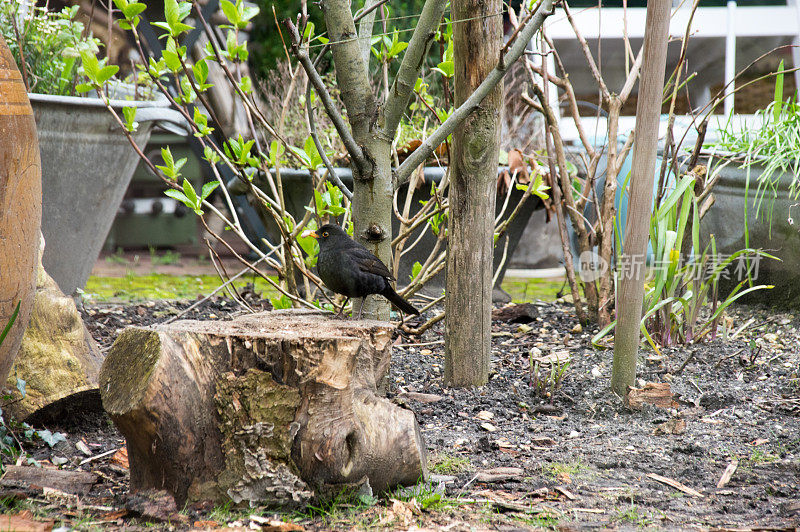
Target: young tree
{"points": [[473, 183], [371, 125], [648, 110]]}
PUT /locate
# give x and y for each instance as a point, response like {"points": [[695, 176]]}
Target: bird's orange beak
{"points": [[309, 232]]}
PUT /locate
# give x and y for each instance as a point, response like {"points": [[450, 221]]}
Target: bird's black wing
{"points": [[369, 263]]}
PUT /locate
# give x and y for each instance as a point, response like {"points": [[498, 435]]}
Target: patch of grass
{"points": [[524, 290], [543, 520], [634, 515], [424, 494], [118, 257], [761, 456], [448, 464], [345, 508], [168, 258], [131, 287], [562, 470]]}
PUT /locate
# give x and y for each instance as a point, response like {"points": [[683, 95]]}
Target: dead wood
{"points": [[34, 479], [269, 408]]}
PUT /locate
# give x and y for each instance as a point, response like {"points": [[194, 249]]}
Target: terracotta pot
{"points": [[20, 206]]}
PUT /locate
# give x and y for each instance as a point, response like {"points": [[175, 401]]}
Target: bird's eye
{"points": [[324, 234]]}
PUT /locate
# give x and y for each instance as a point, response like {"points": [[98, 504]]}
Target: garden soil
{"points": [[544, 444]]}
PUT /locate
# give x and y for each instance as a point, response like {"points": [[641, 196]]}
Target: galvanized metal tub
{"points": [[87, 163]]}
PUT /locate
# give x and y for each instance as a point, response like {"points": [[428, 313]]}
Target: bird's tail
{"points": [[398, 301]]}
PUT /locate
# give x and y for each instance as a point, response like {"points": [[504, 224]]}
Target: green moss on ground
{"points": [[133, 288], [523, 290]]}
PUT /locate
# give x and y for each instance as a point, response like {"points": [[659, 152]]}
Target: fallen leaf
{"points": [[488, 427], [120, 458], [206, 524], [485, 415]]}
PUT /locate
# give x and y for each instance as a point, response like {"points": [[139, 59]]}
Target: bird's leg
{"points": [[361, 308], [340, 314]]}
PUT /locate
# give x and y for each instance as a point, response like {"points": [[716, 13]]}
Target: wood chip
{"points": [[654, 393], [543, 442], [499, 474], [420, 397], [120, 458], [82, 447], [675, 484], [727, 474], [98, 456], [72, 482], [564, 491], [556, 357], [488, 427], [485, 415], [589, 510]]}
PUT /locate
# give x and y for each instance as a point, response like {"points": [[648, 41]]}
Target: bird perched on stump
{"points": [[350, 269]]}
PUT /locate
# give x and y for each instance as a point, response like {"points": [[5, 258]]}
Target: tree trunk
{"points": [[269, 409], [468, 306], [632, 268]]}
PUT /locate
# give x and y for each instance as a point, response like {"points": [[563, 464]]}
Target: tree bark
{"points": [[631, 284], [468, 306], [269, 409]]}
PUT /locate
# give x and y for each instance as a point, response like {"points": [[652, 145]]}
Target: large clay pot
{"points": [[20, 206]]}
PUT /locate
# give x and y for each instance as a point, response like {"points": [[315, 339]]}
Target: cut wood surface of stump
{"points": [[269, 408]]}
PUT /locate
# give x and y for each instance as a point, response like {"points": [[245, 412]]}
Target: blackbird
{"points": [[348, 268]]}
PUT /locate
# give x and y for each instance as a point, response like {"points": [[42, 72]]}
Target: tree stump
{"points": [[270, 408]]}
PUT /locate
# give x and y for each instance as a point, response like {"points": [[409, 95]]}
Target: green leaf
{"points": [[106, 73], [51, 438], [415, 269], [231, 13], [10, 323], [246, 85], [200, 69], [208, 188], [251, 11], [210, 155], [178, 195], [778, 99], [130, 118], [91, 65], [169, 164], [188, 190], [314, 158], [282, 302]]}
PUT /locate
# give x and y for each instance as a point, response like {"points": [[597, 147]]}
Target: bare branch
{"points": [[397, 99], [365, 29], [351, 72], [633, 75], [330, 107], [587, 53], [312, 127], [459, 115]]}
